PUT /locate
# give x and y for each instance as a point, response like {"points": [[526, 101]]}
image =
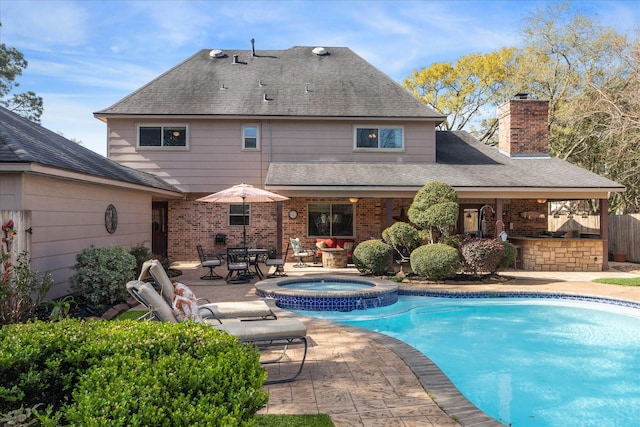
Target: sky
{"points": [[86, 55]]}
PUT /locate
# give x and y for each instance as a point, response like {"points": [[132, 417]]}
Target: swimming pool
{"points": [[529, 362]]}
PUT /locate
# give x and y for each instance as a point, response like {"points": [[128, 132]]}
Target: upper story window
{"points": [[250, 137], [162, 136], [379, 138]]}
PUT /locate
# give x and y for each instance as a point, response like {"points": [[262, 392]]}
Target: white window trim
{"points": [[377, 149], [253, 125], [162, 125]]}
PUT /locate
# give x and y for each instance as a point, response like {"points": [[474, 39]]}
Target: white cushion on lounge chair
{"points": [[265, 329], [237, 309]]}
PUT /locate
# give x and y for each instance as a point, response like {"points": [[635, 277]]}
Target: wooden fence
{"points": [[624, 231], [624, 235]]}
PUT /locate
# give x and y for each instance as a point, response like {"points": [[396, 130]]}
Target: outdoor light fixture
{"points": [[353, 199], [541, 201]]}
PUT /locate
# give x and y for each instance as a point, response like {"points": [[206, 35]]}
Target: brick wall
{"points": [[524, 127], [192, 223]]}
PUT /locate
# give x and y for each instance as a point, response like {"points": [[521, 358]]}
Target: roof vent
{"points": [[320, 51], [235, 59], [216, 53], [253, 47]]}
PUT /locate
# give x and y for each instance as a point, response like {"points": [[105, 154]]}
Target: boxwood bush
{"points": [[437, 261], [481, 255], [102, 274], [509, 255], [129, 373], [372, 257]]}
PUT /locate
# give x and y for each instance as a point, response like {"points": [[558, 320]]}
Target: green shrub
{"points": [[21, 288], [372, 257], [142, 254], [509, 255], [435, 209], [481, 255], [102, 274], [437, 261], [402, 237], [130, 373]]}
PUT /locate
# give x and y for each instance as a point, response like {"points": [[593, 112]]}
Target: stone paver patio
{"points": [[361, 378]]}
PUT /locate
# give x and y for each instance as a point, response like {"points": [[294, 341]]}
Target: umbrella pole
{"points": [[244, 226]]}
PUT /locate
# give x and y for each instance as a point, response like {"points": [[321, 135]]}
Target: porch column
{"points": [[499, 222], [604, 232], [389, 212]]}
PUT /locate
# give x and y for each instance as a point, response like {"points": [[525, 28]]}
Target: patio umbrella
{"points": [[243, 193]]}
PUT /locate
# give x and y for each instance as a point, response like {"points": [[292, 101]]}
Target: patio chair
{"points": [[277, 334], [300, 252], [278, 263], [211, 263], [153, 270], [238, 265]]}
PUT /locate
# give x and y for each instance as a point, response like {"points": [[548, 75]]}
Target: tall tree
{"points": [[26, 104], [589, 74], [469, 91]]}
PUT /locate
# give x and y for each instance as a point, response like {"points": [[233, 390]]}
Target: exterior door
{"points": [[159, 230]]}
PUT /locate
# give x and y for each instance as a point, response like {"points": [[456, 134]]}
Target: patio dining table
{"points": [[252, 253]]}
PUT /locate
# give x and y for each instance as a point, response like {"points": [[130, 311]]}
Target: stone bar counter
{"points": [[559, 253]]}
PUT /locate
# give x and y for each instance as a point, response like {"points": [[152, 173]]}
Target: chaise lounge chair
{"points": [[152, 269], [265, 334]]}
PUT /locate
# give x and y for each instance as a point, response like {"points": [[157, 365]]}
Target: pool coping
{"points": [[439, 387]]}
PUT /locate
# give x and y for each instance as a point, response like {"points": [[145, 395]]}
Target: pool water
{"points": [[528, 362], [327, 285]]}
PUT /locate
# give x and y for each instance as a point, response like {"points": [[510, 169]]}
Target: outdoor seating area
{"points": [[248, 321]]}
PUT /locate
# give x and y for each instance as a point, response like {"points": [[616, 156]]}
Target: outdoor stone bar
{"points": [[559, 254]]}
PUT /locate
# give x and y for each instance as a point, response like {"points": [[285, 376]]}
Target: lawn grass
{"points": [[271, 420], [621, 281]]}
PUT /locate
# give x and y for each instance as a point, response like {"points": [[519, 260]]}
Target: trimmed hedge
{"points": [[130, 373], [372, 257], [437, 261]]}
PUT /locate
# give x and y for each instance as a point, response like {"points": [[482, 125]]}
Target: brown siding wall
{"points": [[214, 159], [68, 216]]}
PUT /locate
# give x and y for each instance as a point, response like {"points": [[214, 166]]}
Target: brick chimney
{"points": [[523, 127]]}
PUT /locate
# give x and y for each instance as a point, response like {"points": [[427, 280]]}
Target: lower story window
{"points": [[330, 219], [238, 217]]}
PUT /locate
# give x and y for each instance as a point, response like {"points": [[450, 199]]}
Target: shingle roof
{"points": [[295, 81], [461, 161], [22, 141]]}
